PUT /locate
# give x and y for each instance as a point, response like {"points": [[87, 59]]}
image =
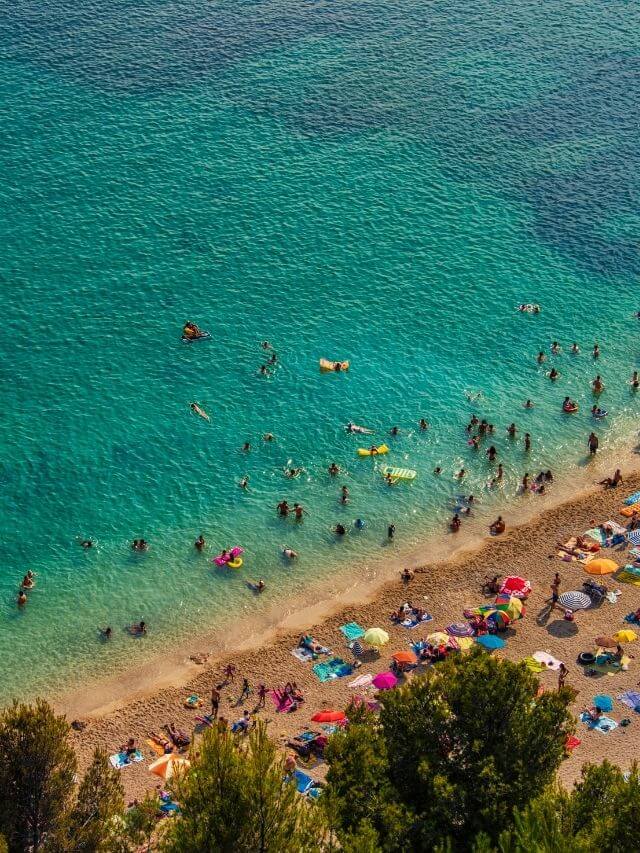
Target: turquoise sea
{"points": [[363, 180]]}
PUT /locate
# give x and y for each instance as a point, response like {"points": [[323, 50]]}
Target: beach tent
{"points": [[168, 765], [385, 680], [626, 635], [376, 637], [601, 566]]}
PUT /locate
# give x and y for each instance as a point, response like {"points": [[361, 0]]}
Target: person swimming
{"points": [[244, 482], [292, 473], [266, 345], [289, 553], [541, 357], [635, 382], [553, 374], [138, 628], [512, 430], [200, 544], [86, 543], [492, 453], [22, 598], [575, 349], [423, 424], [28, 581], [339, 529], [437, 470], [246, 447], [198, 411], [283, 509], [139, 545], [555, 348], [460, 474], [344, 496], [597, 385], [268, 436], [394, 430], [528, 404], [106, 633], [359, 523], [596, 350], [334, 469]]}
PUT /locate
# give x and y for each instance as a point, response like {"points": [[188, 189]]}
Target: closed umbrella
{"points": [[376, 637], [606, 642], [603, 702], [626, 635], [168, 765], [575, 600], [459, 629], [601, 566], [490, 641], [328, 717], [385, 680], [404, 657]]}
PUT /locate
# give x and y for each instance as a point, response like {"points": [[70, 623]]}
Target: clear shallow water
{"points": [[348, 180]]}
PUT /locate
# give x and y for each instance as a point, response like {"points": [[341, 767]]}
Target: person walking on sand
{"points": [[555, 591], [593, 444], [215, 702], [246, 690], [262, 696], [562, 675], [229, 673]]}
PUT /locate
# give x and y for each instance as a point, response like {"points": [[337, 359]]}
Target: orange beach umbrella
{"points": [[601, 566], [169, 765], [404, 657]]}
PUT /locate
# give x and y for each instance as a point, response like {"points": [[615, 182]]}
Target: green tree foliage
{"points": [[234, 799], [37, 769], [360, 799]]}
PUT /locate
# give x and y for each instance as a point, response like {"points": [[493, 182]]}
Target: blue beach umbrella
{"points": [[490, 641], [603, 702]]}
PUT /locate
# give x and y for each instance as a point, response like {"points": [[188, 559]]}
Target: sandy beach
{"points": [[444, 589]]}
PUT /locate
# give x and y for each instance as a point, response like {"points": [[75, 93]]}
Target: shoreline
{"points": [[447, 585], [175, 668]]}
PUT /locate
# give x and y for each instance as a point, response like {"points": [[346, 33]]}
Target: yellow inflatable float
{"points": [[327, 366], [373, 451], [399, 473]]}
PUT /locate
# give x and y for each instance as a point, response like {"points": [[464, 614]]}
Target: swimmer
{"points": [[339, 529], [394, 430], [528, 405], [22, 598], [483, 427], [527, 441], [334, 469], [140, 545], [283, 509], [246, 447], [28, 582], [268, 436], [289, 553], [390, 479], [244, 483], [266, 345], [437, 470], [359, 430], [106, 633], [264, 370], [344, 497], [138, 628], [260, 585], [555, 348], [86, 543], [299, 512], [596, 350], [359, 523], [293, 472], [491, 453], [575, 349], [423, 424], [198, 411], [553, 374], [541, 357], [597, 385], [200, 544], [273, 358], [635, 382], [460, 474], [512, 431], [474, 442], [473, 396]]}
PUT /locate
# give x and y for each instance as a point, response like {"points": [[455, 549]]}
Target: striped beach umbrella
{"points": [[574, 600], [459, 629]]}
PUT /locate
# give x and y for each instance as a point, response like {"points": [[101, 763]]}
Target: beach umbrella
{"points": [[511, 605], [575, 600], [606, 642], [404, 657], [601, 566], [626, 635], [603, 702], [168, 765], [499, 618], [376, 637], [385, 680], [438, 638], [463, 644], [490, 641], [328, 717], [459, 629]]}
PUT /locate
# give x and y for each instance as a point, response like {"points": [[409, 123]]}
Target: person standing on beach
{"points": [[262, 695], [593, 443], [215, 702], [562, 675], [246, 690], [555, 591], [230, 673]]}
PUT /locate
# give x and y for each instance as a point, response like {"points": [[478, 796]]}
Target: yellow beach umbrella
{"points": [[626, 635], [464, 643], [601, 566], [437, 638], [513, 607], [168, 765], [376, 637]]}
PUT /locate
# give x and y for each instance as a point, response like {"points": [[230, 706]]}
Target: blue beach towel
{"points": [[631, 698], [352, 631], [604, 724], [120, 760], [631, 617], [334, 668], [632, 499], [303, 782]]}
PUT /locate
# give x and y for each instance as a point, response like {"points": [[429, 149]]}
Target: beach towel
{"points": [[596, 534], [630, 698], [628, 511], [334, 668], [632, 499], [303, 655], [412, 622], [155, 747], [616, 529], [548, 661], [626, 576], [604, 725], [634, 537], [533, 664], [283, 704], [362, 681], [120, 759], [631, 617], [302, 780], [352, 631]]}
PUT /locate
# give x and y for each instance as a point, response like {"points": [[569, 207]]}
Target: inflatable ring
{"points": [[586, 658], [235, 564]]}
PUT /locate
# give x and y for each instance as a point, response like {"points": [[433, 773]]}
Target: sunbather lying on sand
{"points": [[178, 737], [161, 741]]}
